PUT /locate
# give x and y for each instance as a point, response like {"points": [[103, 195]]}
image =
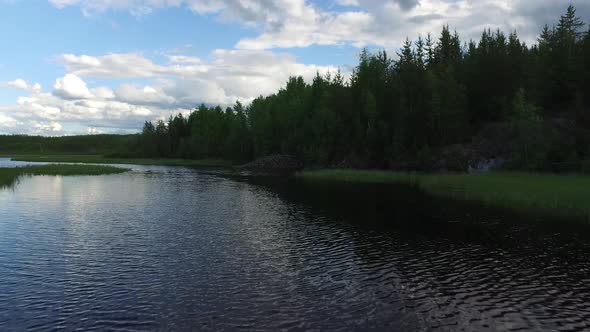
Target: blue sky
{"points": [[91, 66]]}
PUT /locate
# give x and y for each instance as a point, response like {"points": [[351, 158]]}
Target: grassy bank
{"points": [[98, 159], [563, 195], [8, 176]]}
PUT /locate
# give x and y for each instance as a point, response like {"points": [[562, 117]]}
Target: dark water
{"points": [[178, 249]]}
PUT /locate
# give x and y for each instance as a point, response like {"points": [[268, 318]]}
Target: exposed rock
{"points": [[494, 141], [454, 158], [489, 150], [274, 164]]}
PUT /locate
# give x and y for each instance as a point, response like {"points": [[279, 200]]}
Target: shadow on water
{"points": [[407, 209], [457, 265]]}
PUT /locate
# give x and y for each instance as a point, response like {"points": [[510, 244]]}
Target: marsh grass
{"points": [[559, 195], [9, 176], [98, 159]]}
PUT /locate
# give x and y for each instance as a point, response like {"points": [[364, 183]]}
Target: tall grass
{"points": [[9, 176], [563, 195]]}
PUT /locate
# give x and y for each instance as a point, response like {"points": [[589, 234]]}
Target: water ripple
{"points": [[174, 249]]}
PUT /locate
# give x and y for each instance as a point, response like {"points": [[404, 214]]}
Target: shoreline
{"points": [[552, 194], [99, 159]]}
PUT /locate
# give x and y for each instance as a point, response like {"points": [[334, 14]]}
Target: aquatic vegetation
{"points": [[565, 195], [9, 176]]}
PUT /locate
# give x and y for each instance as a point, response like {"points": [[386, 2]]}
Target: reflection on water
{"points": [[7, 162], [177, 249]]}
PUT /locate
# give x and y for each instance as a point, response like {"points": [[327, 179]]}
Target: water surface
{"points": [[172, 248]]}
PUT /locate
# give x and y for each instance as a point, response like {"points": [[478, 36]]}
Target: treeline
{"points": [[82, 144], [208, 132], [437, 92]]}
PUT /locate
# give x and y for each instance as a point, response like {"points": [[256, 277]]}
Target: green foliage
{"points": [[208, 132], [526, 123], [437, 92], [88, 144], [524, 114]]}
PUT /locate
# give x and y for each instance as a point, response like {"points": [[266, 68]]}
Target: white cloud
{"points": [[39, 107], [7, 122], [110, 66], [147, 95], [185, 80], [317, 29], [347, 2], [182, 59], [71, 87], [93, 131], [23, 85], [138, 7], [103, 92], [383, 23], [64, 3], [168, 88], [44, 128]]}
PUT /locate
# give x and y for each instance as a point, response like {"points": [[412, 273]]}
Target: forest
{"points": [[66, 145], [438, 99]]}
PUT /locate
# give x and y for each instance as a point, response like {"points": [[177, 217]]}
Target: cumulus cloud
{"points": [[229, 75], [7, 122], [93, 131], [383, 23], [23, 85], [71, 87], [147, 95], [110, 66], [176, 86], [139, 7], [53, 126], [387, 23]]}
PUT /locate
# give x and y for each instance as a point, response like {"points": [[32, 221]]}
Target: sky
{"points": [[106, 66]]}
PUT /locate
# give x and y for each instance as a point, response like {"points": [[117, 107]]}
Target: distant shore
{"points": [[99, 159]]}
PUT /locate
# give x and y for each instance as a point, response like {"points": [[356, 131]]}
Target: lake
{"points": [[173, 248]]}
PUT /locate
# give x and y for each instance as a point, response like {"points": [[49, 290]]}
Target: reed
{"points": [[9, 176], [564, 195]]}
